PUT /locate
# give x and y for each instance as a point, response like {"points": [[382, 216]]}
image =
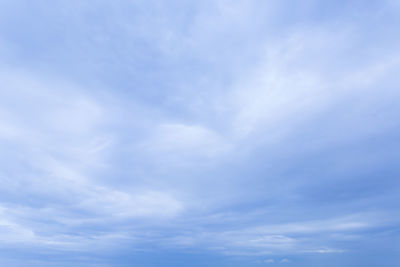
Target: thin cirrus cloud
{"points": [[247, 131]]}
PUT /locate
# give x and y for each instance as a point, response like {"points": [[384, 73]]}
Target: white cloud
{"points": [[292, 86], [11, 232], [121, 204], [185, 143], [79, 171], [55, 133], [295, 237]]}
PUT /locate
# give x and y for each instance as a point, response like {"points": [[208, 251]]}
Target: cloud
{"points": [[292, 238], [121, 204], [58, 144], [285, 261], [187, 140], [224, 127]]}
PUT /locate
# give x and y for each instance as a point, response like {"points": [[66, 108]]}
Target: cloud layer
{"points": [[258, 131]]}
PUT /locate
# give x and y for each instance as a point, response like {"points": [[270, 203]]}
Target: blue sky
{"points": [[199, 133]]}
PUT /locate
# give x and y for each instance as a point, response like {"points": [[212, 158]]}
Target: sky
{"points": [[178, 133]]}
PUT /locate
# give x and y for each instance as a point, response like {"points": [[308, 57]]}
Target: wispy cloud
{"points": [[233, 128], [285, 261]]}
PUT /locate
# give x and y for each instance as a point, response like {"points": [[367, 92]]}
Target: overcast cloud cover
{"points": [[200, 133]]}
